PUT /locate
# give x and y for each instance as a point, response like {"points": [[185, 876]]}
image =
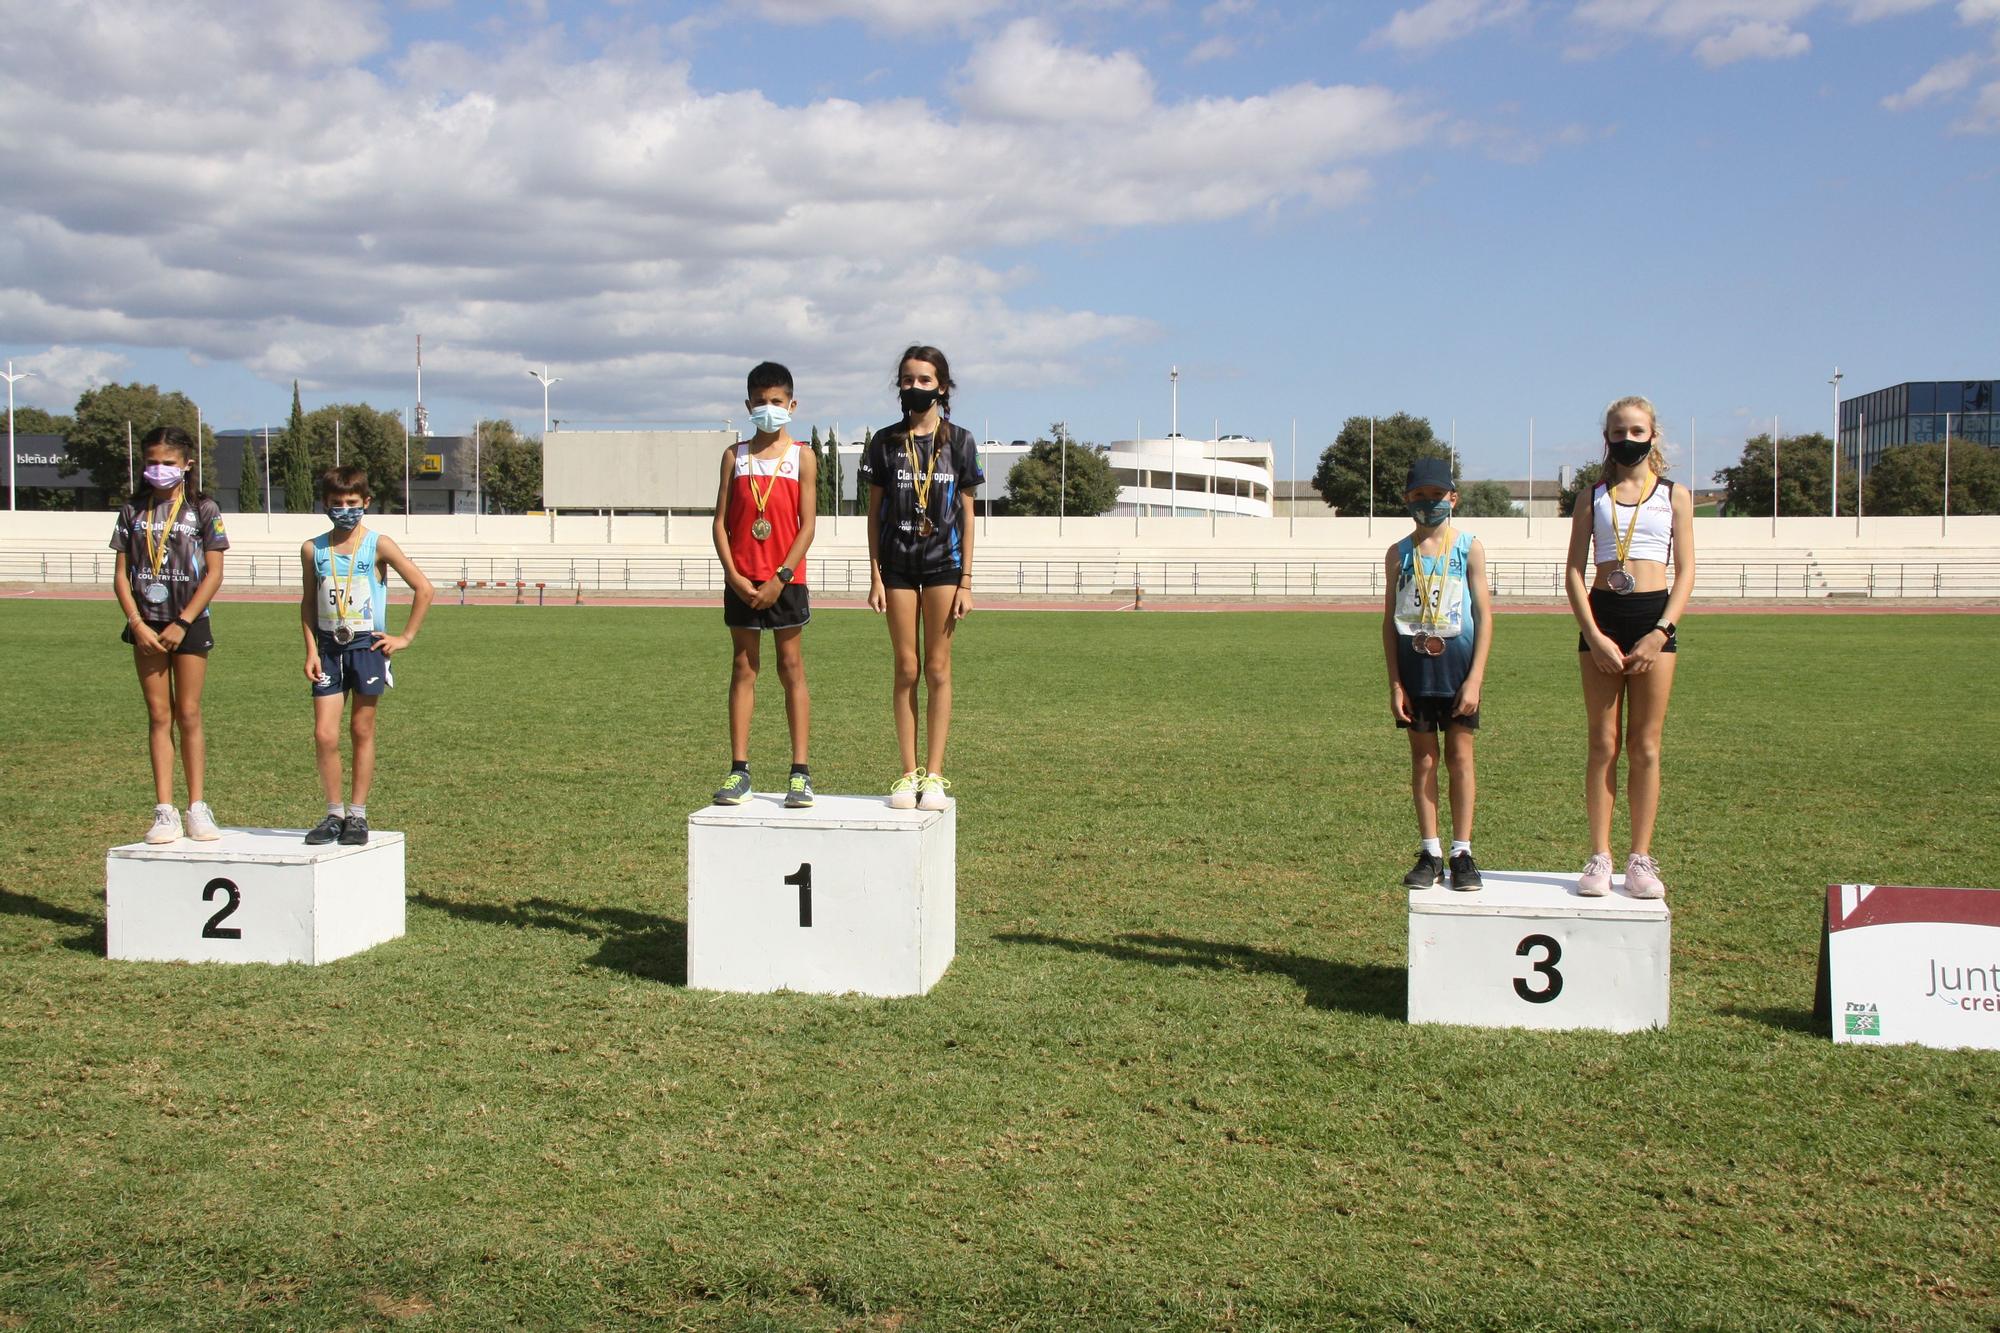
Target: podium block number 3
{"points": [[803, 877], [215, 930], [1546, 966]]}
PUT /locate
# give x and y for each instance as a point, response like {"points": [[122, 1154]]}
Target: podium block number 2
{"points": [[215, 930], [1546, 965], [803, 877]]}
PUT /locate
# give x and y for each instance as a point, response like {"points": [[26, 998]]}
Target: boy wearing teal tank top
{"points": [[345, 616], [1437, 627]]}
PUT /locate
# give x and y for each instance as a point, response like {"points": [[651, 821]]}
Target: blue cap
{"points": [[1429, 472]]}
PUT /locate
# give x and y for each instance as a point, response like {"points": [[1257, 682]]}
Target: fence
{"points": [[1276, 580]]}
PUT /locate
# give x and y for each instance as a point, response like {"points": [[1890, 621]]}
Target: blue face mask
{"points": [[347, 518], [1431, 513], [769, 417]]}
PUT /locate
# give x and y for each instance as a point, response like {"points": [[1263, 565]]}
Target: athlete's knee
{"points": [[744, 666], [362, 725], [1642, 750], [937, 675], [906, 669], [187, 716]]}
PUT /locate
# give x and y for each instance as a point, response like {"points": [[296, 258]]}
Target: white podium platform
{"points": [[848, 896], [252, 896], [1528, 951]]}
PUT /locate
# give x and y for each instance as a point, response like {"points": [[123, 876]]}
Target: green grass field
{"points": [[1167, 1083]]}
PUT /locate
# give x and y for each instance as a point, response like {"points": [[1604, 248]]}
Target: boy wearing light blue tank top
{"points": [[1436, 632], [345, 616]]}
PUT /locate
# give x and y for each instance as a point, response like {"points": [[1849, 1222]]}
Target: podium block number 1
{"points": [[803, 877], [214, 929], [1546, 966]]}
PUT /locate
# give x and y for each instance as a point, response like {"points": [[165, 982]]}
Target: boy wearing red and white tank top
{"points": [[764, 515]]}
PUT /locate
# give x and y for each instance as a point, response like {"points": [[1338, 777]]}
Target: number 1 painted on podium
{"points": [[803, 877]]}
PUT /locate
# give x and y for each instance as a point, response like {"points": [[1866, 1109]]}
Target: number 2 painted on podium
{"points": [[803, 877], [1547, 967], [215, 930]]}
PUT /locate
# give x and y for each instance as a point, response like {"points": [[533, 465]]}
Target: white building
{"points": [[1192, 478]]}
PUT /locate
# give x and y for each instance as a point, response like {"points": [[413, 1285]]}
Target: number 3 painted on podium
{"points": [[803, 877], [1547, 967], [215, 930]]}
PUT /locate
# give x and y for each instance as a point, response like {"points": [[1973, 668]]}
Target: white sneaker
{"points": [[931, 792], [166, 826], [1595, 881], [903, 795], [201, 823]]}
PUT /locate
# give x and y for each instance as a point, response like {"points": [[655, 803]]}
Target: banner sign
{"points": [[1921, 965]]}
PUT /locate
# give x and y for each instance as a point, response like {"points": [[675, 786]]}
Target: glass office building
{"points": [[1916, 413]]}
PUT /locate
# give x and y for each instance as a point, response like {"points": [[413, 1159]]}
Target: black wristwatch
{"points": [[185, 626], [785, 574], [1668, 626]]}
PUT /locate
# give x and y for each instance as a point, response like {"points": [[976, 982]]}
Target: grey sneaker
{"points": [[1642, 877], [201, 823], [799, 792], [326, 830], [735, 789], [354, 831], [1426, 873], [1595, 881], [166, 826]]}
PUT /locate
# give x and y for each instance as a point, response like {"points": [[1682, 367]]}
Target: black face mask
{"points": [[1629, 453], [916, 402]]}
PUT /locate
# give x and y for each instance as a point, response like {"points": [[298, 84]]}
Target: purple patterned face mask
{"points": [[163, 476]]}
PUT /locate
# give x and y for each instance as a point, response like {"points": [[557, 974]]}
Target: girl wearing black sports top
{"points": [[1638, 522], [921, 475]]}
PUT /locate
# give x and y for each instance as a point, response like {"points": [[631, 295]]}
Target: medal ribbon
{"points": [[922, 486], [1430, 596], [1624, 543], [762, 498], [158, 550], [342, 593]]}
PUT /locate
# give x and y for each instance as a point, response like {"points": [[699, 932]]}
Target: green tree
{"points": [[96, 434], [250, 485], [370, 440], [1043, 483], [1485, 499], [34, 421], [1585, 477], [860, 501], [510, 468], [298, 468], [1805, 478], [1342, 476], [1910, 480]]}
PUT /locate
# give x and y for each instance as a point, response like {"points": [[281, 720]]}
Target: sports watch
{"points": [[1668, 627], [785, 577]]}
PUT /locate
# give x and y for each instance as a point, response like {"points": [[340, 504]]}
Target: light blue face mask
{"points": [[768, 417], [1431, 513], [346, 518]]}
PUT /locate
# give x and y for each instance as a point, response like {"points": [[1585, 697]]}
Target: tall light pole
{"points": [[1835, 382], [1174, 447], [1774, 476], [12, 375], [475, 477], [1062, 472], [543, 376]]}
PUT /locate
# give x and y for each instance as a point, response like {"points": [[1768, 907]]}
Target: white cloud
{"points": [[279, 205], [1437, 22], [1985, 115], [1721, 32], [62, 373], [1217, 47], [1751, 41], [883, 15], [1947, 76]]}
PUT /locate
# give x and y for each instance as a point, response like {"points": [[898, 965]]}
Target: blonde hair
{"points": [[1657, 460]]}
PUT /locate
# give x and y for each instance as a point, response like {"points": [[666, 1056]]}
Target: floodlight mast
{"points": [[543, 376], [11, 376]]}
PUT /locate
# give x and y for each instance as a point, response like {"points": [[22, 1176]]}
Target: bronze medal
{"points": [[1431, 645], [925, 527], [761, 529]]}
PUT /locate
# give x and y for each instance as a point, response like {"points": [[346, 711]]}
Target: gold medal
{"points": [[921, 482], [925, 527], [761, 529]]}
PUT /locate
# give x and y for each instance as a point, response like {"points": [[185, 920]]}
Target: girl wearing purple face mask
{"points": [[170, 541]]}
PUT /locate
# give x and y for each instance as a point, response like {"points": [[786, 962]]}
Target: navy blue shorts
{"points": [[916, 579], [352, 667]]}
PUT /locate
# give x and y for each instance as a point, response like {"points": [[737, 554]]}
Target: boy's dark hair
{"points": [[345, 481], [770, 375]]}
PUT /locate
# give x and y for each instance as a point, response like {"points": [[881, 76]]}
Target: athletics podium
{"points": [[1528, 951], [252, 896], [846, 896]]}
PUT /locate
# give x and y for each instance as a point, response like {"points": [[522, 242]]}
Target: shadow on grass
{"points": [[640, 944], [91, 941], [1355, 988], [1784, 1019]]}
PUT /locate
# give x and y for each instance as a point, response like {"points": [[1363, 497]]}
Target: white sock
{"points": [[1461, 845], [357, 811], [1431, 845], [166, 806], [335, 810]]}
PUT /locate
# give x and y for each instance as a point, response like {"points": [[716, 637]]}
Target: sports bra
{"points": [[1652, 535]]}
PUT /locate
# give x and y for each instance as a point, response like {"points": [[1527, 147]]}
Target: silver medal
{"points": [[155, 593]]}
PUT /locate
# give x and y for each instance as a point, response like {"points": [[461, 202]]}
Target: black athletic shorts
{"points": [[1433, 713], [196, 642], [792, 609], [1626, 617], [913, 579]]}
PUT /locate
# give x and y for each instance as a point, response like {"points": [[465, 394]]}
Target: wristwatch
{"points": [[1668, 626], [785, 574]]}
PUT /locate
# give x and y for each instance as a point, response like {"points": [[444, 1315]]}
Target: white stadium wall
{"points": [[632, 469]]}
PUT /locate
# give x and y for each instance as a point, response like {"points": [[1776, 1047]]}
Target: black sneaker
{"points": [[325, 831], [1465, 872], [1427, 873], [355, 832]]}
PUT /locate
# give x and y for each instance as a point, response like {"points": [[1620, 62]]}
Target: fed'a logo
{"points": [[1863, 1020]]}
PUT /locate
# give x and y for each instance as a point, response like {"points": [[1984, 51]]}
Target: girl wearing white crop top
{"points": [[1635, 523]]}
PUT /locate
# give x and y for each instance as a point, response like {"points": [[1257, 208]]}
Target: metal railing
{"points": [[1253, 580]]}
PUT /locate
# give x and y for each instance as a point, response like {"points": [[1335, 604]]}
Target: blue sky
{"points": [[1484, 211]]}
